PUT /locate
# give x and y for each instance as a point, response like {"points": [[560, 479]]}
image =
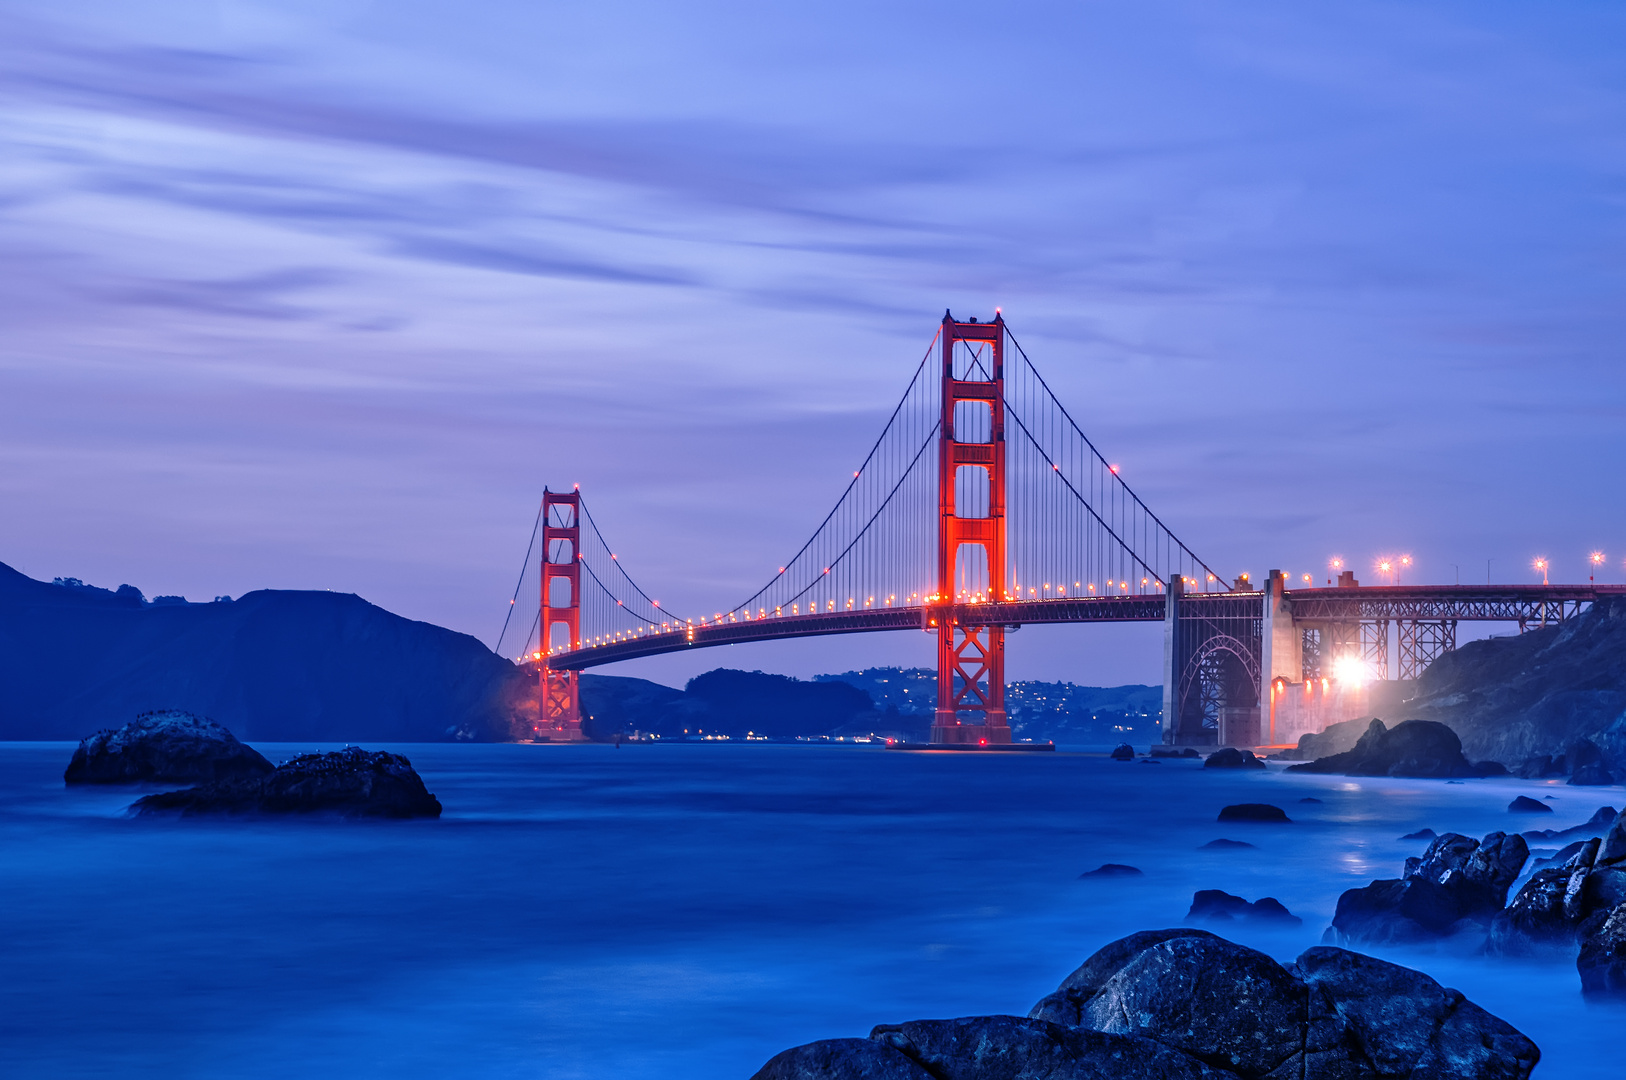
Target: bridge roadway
{"points": [[1364, 603]]}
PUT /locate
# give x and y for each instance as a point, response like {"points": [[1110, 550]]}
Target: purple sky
{"points": [[320, 294]]}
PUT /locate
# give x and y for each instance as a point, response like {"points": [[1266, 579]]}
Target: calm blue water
{"points": [[667, 911]]}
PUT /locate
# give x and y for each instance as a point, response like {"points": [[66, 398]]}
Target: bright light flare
{"points": [[1349, 671]]}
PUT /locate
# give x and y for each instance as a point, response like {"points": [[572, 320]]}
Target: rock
{"points": [[1420, 834], [848, 1059], [1184, 1004], [1232, 758], [1254, 812], [1541, 766], [1589, 765], [1457, 882], [1418, 748], [1150, 761], [1225, 845], [1524, 804], [352, 783], [1214, 905], [1172, 752], [1309, 798], [1112, 870], [1334, 739], [977, 1047], [165, 746], [1602, 962], [1567, 900], [1123, 752], [1596, 825], [1368, 1014]]}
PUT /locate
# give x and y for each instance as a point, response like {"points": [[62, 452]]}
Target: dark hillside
{"points": [[1509, 698], [271, 666]]}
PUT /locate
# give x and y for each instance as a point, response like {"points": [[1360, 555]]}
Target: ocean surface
{"points": [[673, 911]]}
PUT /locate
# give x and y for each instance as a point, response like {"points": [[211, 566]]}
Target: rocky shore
{"points": [[1185, 1004]]}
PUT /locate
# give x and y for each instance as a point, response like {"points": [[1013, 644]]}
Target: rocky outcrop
{"points": [[169, 746], [1583, 761], [1524, 804], [1459, 883], [1113, 870], [1602, 962], [1536, 693], [1123, 752], [1566, 901], [1185, 1004], [350, 783], [1255, 811], [1597, 825], [1216, 905], [1232, 758], [1175, 752], [1334, 739], [1417, 748]]}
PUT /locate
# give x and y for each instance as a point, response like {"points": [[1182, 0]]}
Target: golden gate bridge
{"points": [[983, 507]]}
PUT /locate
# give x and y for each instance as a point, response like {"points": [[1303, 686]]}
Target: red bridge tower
{"points": [[559, 714], [971, 533]]}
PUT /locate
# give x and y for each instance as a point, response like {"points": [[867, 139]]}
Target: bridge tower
{"points": [[559, 712], [971, 533]]}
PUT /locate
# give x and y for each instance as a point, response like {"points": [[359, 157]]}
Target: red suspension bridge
{"points": [[982, 507]]}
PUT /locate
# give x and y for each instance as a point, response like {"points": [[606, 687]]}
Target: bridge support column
{"points": [[559, 709], [971, 533], [1174, 660], [1281, 646]]}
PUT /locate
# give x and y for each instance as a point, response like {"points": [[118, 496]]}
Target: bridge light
{"points": [[1349, 671]]}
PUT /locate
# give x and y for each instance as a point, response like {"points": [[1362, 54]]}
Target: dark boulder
{"points": [[1223, 844], [1415, 748], [1216, 905], [1113, 870], [352, 783], [1589, 765], [168, 746], [1232, 758], [1184, 1004], [846, 1059], [1459, 882], [1123, 752], [1566, 900], [1254, 812], [1421, 834], [1175, 752], [1013, 1047], [1524, 804], [1602, 962], [1334, 739]]}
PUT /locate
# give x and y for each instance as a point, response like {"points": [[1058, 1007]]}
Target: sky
{"points": [[321, 294]]}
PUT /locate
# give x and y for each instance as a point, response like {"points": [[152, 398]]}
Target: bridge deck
{"points": [[1467, 603]]}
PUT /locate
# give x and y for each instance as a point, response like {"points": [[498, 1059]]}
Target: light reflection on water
{"points": [[669, 911]]}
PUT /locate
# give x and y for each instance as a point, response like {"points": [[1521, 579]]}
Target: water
{"points": [[669, 910]]}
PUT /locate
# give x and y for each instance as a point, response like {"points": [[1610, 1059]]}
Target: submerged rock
{"points": [[1459, 882], [352, 783], [1223, 844], [1416, 748], [1184, 1004], [1113, 870], [1524, 804], [1420, 834], [1232, 758], [1175, 752], [1216, 905], [1253, 811], [168, 745], [1123, 752]]}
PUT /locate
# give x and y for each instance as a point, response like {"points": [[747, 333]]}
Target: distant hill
{"points": [[272, 666]]}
